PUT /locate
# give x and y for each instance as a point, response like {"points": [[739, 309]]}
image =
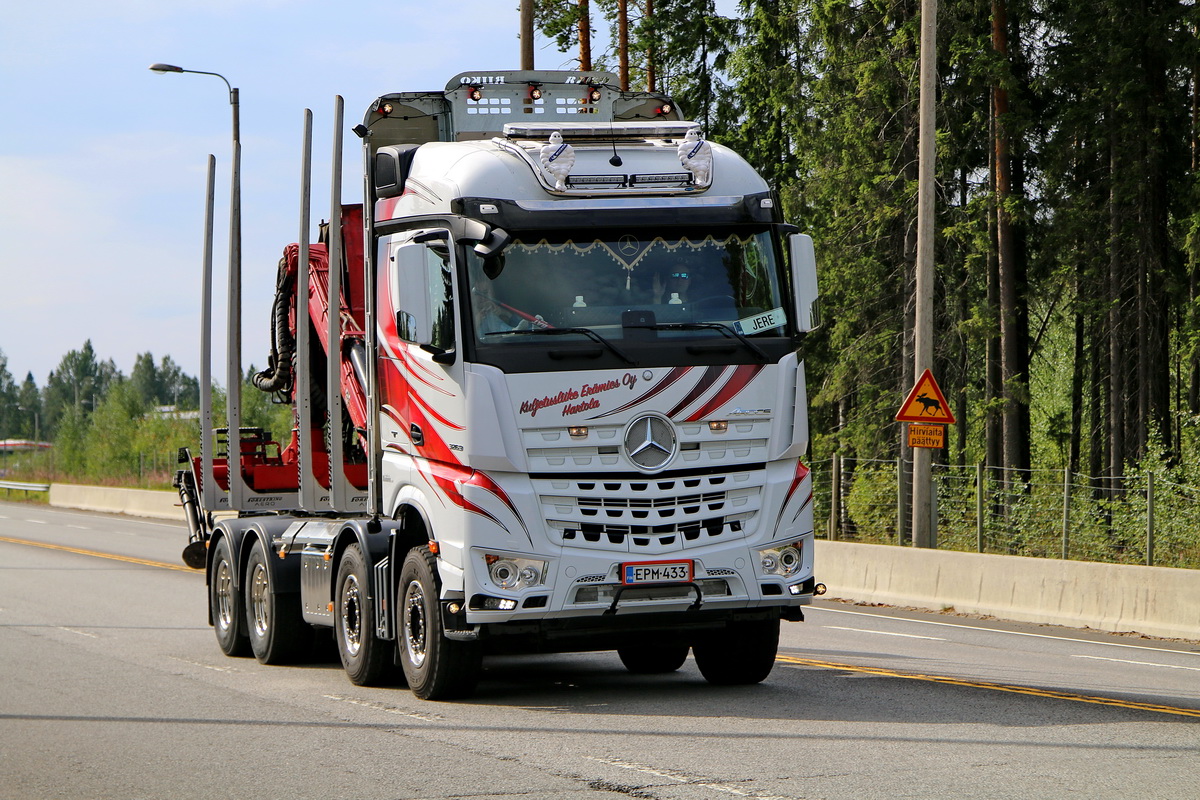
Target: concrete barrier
{"points": [[134, 502], [1156, 601]]}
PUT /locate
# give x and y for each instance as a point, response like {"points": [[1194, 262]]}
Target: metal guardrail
{"points": [[25, 487]]}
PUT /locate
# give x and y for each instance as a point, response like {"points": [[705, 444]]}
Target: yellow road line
{"points": [[97, 554], [997, 687]]}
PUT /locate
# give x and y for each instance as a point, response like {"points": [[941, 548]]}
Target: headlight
{"points": [[508, 572], [784, 561]]}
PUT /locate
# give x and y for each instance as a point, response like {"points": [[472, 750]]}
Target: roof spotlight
{"points": [[535, 91], [475, 93], [594, 95], [385, 109], [665, 108]]}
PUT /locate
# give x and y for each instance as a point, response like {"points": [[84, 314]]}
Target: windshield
{"points": [[621, 284]]}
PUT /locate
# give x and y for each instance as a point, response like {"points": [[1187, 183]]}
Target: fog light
{"points": [[794, 588], [482, 602]]}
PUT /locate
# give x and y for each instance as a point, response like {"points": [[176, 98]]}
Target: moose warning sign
{"points": [[925, 403]]}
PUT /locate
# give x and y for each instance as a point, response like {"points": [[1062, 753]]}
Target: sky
{"points": [[103, 162]]}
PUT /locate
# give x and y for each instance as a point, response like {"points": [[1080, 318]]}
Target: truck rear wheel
{"points": [[742, 653], [225, 603], [365, 657], [437, 668], [649, 659], [274, 620]]}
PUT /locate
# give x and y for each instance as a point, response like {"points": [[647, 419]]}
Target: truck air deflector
{"points": [[758, 208]]}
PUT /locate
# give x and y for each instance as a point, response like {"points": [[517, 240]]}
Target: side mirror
{"points": [[804, 281]]}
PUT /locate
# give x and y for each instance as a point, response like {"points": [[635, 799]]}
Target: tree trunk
{"points": [[993, 430], [623, 44], [585, 37], [1116, 327], [1013, 323], [651, 78]]}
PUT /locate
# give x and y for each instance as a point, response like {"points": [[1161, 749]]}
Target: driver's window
{"points": [[426, 294]]}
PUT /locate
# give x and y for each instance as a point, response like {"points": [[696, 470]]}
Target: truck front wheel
{"points": [[437, 668], [364, 656], [742, 653], [225, 603], [274, 621]]}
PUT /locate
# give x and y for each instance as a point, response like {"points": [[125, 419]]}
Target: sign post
{"points": [[928, 413]]}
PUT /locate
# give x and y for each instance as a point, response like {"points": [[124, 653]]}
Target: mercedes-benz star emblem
{"points": [[627, 245], [650, 442]]}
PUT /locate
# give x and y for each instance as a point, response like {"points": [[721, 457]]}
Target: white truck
{"points": [[564, 409]]}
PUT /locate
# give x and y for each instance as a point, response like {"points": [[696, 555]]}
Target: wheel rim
{"points": [[416, 628], [352, 615], [224, 592], [259, 594]]}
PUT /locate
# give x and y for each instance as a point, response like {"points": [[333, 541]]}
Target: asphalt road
{"points": [[112, 686]]}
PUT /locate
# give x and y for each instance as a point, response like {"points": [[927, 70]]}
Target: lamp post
{"points": [[234, 361], [36, 428]]}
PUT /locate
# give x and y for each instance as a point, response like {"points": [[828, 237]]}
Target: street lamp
{"points": [[36, 428], [233, 402]]}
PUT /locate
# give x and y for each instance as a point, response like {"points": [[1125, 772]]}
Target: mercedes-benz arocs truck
{"points": [[547, 397]]}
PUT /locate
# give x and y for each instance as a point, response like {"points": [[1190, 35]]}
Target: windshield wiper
{"points": [[727, 330], [588, 332]]}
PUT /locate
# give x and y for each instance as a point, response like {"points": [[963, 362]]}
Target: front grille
{"points": [[603, 449], [651, 516]]}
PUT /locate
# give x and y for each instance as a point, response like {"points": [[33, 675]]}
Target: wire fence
{"points": [[1139, 518]]}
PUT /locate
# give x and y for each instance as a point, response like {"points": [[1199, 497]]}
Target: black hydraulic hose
{"points": [[277, 377]]}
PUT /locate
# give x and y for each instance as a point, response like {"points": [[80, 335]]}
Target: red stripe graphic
{"points": [[801, 473], [667, 380], [710, 376], [740, 380]]}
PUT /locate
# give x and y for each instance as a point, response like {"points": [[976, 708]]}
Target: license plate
{"points": [[656, 572]]}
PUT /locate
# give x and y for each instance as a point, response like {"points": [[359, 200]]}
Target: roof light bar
{"points": [[596, 180], [662, 178]]}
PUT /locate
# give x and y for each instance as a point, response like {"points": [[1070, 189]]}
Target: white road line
{"points": [[1139, 663], [381, 707], [884, 633], [80, 527], [35, 521], [205, 666], [997, 630], [81, 633], [680, 777]]}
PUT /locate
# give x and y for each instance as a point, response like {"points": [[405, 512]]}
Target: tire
{"points": [[225, 602], [274, 620], [742, 653], [365, 657], [649, 659], [437, 668]]}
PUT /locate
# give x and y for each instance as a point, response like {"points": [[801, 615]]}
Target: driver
{"points": [[679, 283]]}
